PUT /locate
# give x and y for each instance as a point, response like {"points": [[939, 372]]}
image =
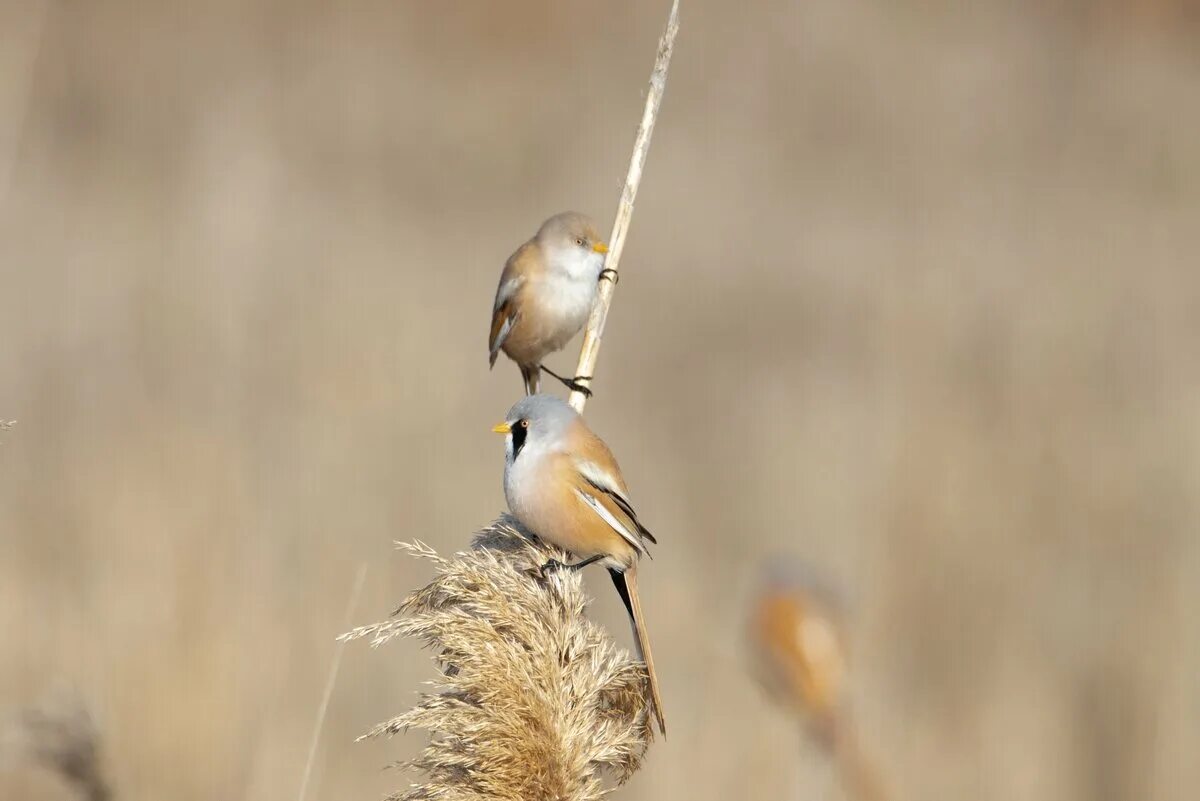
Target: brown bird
{"points": [[545, 295], [562, 482], [799, 647], [798, 642]]}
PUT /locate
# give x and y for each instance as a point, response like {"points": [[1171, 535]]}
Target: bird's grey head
{"points": [[573, 243], [783, 574], [535, 424]]}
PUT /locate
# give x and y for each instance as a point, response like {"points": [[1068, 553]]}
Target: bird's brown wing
{"points": [[506, 309], [503, 320], [623, 505], [603, 488]]}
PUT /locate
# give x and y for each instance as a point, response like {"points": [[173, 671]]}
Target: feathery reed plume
{"points": [[534, 700], [58, 740]]}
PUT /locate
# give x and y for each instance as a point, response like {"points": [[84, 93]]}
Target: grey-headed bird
{"points": [[563, 484]]}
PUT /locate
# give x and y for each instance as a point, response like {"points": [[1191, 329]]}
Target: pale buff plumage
{"points": [[798, 643], [563, 483], [545, 293], [799, 646]]}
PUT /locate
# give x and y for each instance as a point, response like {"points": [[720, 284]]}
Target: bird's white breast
{"points": [[567, 300], [566, 292], [523, 486]]}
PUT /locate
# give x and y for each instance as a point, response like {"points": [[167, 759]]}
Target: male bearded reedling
{"points": [[563, 484], [545, 295]]}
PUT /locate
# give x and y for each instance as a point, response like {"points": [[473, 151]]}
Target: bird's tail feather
{"points": [[626, 583]]}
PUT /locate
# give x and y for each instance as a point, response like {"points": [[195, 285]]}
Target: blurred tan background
{"points": [[911, 292]]}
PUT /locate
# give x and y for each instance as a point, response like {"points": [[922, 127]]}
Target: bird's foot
{"points": [[555, 565], [610, 274], [574, 385], [571, 383]]}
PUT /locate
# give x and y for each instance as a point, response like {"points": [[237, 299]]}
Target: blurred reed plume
{"points": [[50, 752], [534, 701]]}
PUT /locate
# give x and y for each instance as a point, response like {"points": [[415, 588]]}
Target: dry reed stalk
{"points": [[20, 115], [330, 681], [594, 331], [533, 700], [857, 772]]}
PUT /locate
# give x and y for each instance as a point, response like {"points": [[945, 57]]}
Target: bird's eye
{"points": [[579, 242], [524, 424]]}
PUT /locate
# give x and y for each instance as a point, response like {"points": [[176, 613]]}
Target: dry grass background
{"points": [[911, 291]]}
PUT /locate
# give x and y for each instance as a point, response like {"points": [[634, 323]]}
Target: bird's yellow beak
{"points": [[501, 428], [600, 247]]}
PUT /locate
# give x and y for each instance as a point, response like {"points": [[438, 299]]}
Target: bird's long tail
{"points": [[626, 583]]}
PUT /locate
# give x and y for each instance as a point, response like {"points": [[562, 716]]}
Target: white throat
{"points": [[576, 263], [522, 472]]}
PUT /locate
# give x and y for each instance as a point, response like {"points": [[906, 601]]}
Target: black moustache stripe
{"points": [[519, 432]]}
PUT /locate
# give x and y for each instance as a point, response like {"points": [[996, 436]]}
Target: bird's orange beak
{"points": [[501, 428], [600, 247]]}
